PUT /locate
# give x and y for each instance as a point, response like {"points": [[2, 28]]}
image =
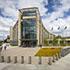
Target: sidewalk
{"points": [[61, 64]]}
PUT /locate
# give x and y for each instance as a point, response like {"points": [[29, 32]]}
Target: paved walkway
{"points": [[19, 51], [62, 64]]}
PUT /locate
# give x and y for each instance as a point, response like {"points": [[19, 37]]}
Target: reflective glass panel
{"points": [[29, 28]]}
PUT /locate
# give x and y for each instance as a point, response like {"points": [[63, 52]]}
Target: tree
{"points": [[46, 42]]}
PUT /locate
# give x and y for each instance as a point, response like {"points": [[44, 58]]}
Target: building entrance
{"points": [[30, 43]]}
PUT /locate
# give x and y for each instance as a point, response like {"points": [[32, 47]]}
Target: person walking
{"points": [[5, 47]]}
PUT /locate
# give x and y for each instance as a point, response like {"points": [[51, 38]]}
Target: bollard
{"points": [[2, 58], [56, 56], [15, 59], [8, 59], [40, 60], [29, 62], [49, 61], [59, 55], [22, 59], [53, 60]]}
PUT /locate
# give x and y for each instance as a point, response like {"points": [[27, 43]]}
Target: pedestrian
{"points": [[5, 47]]}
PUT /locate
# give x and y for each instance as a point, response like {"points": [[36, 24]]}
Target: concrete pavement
{"points": [[62, 64]]}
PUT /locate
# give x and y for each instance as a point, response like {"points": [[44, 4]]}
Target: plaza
{"points": [[61, 64]]}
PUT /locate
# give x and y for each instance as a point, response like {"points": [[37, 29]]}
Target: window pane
{"points": [[29, 28]]}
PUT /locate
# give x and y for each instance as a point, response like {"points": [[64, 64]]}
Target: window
{"points": [[29, 28]]}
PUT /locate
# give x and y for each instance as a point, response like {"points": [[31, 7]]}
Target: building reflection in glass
{"points": [[29, 31]]}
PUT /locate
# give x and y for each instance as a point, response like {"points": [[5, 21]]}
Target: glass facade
{"points": [[29, 31], [29, 28]]}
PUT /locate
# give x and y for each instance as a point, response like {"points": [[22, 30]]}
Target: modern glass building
{"points": [[29, 30]]}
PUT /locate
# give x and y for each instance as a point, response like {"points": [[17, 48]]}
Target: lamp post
{"points": [[66, 33], [57, 36], [52, 37]]}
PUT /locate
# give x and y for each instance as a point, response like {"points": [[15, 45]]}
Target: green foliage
{"points": [[55, 42], [46, 42], [62, 43]]}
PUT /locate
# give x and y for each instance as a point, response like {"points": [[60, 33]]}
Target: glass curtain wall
{"points": [[29, 31]]}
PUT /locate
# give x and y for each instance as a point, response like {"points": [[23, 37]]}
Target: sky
{"points": [[55, 15]]}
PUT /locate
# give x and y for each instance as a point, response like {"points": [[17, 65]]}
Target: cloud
{"points": [[59, 16], [9, 11], [32, 3], [54, 13], [8, 15]]}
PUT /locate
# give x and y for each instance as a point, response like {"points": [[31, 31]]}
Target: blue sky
{"points": [[54, 14]]}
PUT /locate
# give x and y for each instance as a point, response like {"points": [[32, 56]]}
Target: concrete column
{"points": [[37, 20], [19, 30], [2, 59], [22, 59], [53, 60], [49, 61], [29, 60], [15, 59], [57, 56], [40, 60], [8, 59]]}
